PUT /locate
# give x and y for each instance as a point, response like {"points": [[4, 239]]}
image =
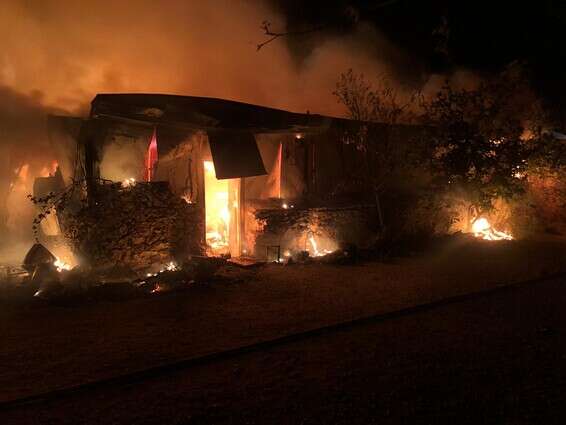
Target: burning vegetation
{"points": [[157, 180]]}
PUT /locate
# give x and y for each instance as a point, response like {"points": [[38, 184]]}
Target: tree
{"points": [[382, 155], [485, 137]]}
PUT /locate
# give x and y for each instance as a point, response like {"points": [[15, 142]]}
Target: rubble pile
{"points": [[141, 226]]}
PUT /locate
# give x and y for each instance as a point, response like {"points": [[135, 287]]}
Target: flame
{"points": [[217, 212], [315, 251], [171, 267], [129, 182], [482, 229], [61, 265], [151, 157], [50, 170], [187, 198]]}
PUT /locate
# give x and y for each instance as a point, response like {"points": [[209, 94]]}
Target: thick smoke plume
{"points": [[58, 54], [70, 50]]}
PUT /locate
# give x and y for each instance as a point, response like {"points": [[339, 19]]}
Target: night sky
{"points": [[483, 35], [61, 53]]}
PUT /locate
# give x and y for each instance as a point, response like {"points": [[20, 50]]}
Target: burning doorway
{"points": [[222, 212]]}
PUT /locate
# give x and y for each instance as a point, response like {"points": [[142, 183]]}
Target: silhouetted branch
{"points": [[273, 35], [266, 26]]}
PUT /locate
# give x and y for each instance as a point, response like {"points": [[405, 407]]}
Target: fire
{"points": [[151, 157], [61, 265], [316, 252], [217, 211], [482, 229], [129, 182], [171, 266]]}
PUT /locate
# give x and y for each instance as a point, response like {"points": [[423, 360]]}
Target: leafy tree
{"points": [[484, 137]]}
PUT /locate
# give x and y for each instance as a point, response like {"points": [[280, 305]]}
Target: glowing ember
{"points": [[170, 267], [482, 229], [129, 182]]}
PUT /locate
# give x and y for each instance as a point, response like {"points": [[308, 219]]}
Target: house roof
{"points": [[203, 112]]}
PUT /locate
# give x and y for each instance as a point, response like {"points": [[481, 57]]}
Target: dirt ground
{"points": [[495, 359], [44, 346]]}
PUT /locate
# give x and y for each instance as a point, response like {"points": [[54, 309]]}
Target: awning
{"points": [[235, 154]]}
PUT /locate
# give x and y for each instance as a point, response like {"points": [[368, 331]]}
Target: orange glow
{"points": [[217, 211], [151, 157], [315, 251], [279, 167], [482, 229], [49, 171]]}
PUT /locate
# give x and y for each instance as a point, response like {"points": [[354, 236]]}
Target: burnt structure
{"points": [[172, 176]]}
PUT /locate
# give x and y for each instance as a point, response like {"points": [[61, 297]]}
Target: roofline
{"points": [[219, 99]]}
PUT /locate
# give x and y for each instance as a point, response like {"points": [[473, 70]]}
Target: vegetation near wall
{"points": [[489, 151], [141, 226]]}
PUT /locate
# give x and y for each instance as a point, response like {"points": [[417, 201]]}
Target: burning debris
{"points": [[311, 232], [481, 228], [315, 250], [129, 182], [50, 279]]}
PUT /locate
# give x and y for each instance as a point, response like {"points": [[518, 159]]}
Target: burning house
{"points": [[168, 176]]}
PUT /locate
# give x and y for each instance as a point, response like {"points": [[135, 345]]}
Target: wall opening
{"points": [[222, 213]]}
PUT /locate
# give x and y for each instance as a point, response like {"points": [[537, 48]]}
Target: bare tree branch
{"points": [[274, 35], [266, 26]]}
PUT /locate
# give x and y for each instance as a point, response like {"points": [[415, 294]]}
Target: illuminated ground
{"points": [[46, 347]]}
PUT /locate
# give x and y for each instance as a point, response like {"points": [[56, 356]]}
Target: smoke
{"points": [[22, 131], [57, 55], [69, 51]]}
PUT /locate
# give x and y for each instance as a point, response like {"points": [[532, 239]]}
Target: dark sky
{"points": [[60, 53], [484, 35]]}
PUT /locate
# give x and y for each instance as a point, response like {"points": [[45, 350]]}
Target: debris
{"points": [[245, 262], [38, 255], [47, 278]]}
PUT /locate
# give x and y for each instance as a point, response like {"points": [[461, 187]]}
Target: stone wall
{"points": [[291, 229], [141, 226]]}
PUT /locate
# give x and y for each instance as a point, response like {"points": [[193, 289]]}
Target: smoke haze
{"points": [[56, 55], [68, 51]]}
